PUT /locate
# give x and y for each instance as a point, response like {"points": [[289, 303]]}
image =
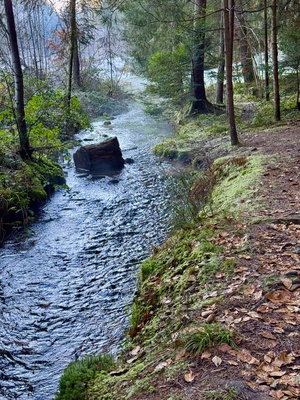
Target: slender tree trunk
{"points": [[200, 103], [298, 89], [71, 60], [275, 62], [18, 77], [34, 52], [76, 65], [228, 33], [244, 47], [267, 78], [221, 66]]}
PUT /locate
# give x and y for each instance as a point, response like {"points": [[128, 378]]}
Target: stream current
{"points": [[65, 289]]}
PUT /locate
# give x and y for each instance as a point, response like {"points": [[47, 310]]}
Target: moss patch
{"points": [[238, 183], [23, 187]]}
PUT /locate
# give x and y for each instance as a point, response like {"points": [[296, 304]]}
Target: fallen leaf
{"points": [[277, 374], [277, 329], [254, 314], [135, 351], [248, 291], [211, 294], [189, 377], [162, 365], [245, 257], [217, 360], [132, 360], [287, 283], [192, 278], [268, 335], [285, 358], [269, 357], [231, 362], [257, 295], [205, 355], [269, 344], [182, 354], [245, 356], [277, 394], [281, 296]]}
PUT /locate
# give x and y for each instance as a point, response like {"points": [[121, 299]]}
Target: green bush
{"points": [[73, 383]]}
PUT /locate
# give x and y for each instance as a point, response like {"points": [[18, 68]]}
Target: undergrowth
{"points": [[73, 383]]}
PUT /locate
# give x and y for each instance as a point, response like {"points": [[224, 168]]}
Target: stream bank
{"points": [[217, 311], [25, 185], [65, 289]]}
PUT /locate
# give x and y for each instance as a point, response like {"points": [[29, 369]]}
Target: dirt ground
{"points": [[262, 302]]}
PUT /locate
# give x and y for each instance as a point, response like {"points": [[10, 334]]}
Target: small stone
{"points": [[210, 318]]}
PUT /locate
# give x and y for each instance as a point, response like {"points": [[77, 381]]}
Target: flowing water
{"points": [[65, 289]]}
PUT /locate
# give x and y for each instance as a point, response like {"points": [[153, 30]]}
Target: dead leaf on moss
{"points": [[132, 360], [135, 351], [182, 354], [189, 377], [162, 365]]}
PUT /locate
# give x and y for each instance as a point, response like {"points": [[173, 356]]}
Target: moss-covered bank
{"points": [[24, 186], [179, 289]]}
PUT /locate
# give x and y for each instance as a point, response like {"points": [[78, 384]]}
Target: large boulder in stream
{"points": [[100, 158]]}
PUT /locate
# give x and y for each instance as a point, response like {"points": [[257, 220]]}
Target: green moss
{"points": [[23, 186], [239, 183], [73, 383], [106, 386]]}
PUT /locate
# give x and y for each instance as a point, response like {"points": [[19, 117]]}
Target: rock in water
{"points": [[103, 157]]}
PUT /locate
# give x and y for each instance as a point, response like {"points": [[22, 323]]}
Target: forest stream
{"points": [[65, 288]]}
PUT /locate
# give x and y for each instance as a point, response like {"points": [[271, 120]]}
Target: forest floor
{"points": [[265, 317]]}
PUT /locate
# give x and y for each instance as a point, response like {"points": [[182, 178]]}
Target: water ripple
{"points": [[64, 291]]}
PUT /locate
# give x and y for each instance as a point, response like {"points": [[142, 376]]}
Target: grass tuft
{"points": [[210, 335]]}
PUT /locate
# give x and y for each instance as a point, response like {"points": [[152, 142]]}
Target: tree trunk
{"points": [[76, 62], [18, 77], [267, 78], [221, 66], [200, 102], [244, 48], [228, 33], [71, 63], [275, 62]]}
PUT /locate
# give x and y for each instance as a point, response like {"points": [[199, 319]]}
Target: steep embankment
{"points": [[217, 312]]}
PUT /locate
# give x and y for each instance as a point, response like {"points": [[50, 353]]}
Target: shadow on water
{"points": [[64, 290]]}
